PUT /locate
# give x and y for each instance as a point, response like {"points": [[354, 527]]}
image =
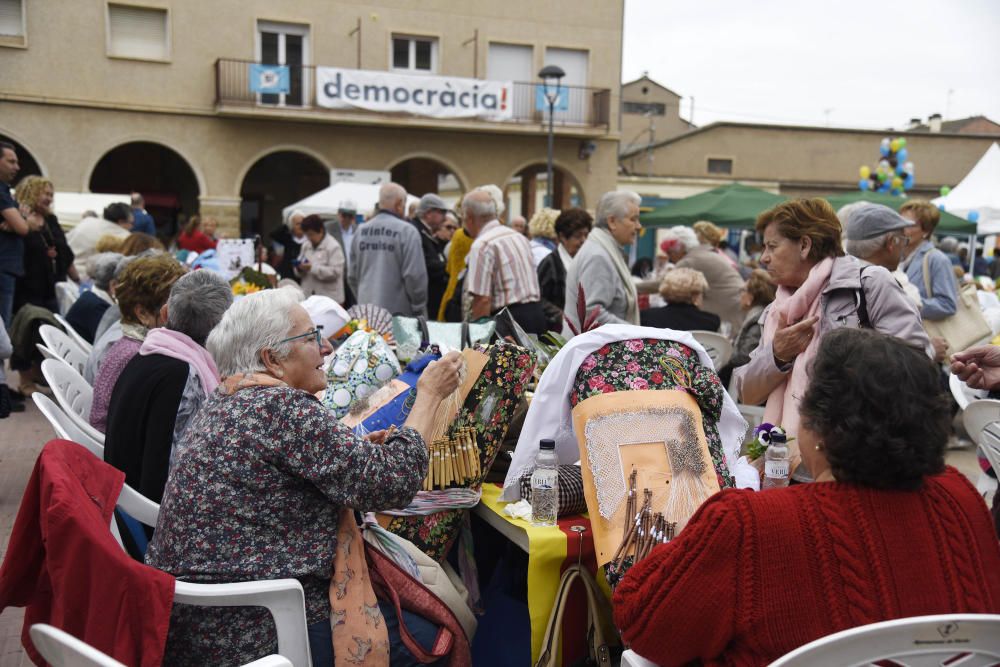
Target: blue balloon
{"points": [[884, 150], [901, 155], [973, 216], [908, 183], [900, 170], [863, 184], [940, 207]]}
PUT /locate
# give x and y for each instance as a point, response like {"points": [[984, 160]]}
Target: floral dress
{"points": [[635, 365]]}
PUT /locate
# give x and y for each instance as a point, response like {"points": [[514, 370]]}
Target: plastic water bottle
{"points": [[776, 462], [545, 485]]}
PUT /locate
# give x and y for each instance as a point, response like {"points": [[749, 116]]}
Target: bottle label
{"points": [[776, 468]]}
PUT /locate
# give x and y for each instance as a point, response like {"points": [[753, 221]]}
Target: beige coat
{"points": [[724, 284], [326, 277]]}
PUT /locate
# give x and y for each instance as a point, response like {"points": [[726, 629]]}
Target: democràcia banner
{"points": [[435, 96]]}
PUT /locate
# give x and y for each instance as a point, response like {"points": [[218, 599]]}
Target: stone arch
{"points": [[169, 182], [524, 178], [30, 164], [280, 148], [423, 160], [277, 178]]}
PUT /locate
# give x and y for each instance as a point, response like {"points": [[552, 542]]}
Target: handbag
{"points": [[601, 637], [967, 326], [393, 585]]}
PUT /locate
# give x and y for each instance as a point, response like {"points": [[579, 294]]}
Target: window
{"points": [[138, 32], [644, 108], [285, 44], [573, 61], [414, 54], [510, 62], [12, 22], [720, 165]]}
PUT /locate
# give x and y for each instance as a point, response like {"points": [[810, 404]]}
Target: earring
{"points": [[819, 448], [280, 373]]}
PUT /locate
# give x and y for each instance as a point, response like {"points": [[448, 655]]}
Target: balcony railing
{"points": [[587, 107]]}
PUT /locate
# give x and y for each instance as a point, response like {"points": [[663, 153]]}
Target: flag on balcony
{"points": [[542, 102], [269, 79]]}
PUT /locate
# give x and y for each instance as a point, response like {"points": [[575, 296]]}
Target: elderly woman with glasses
{"points": [[267, 482]]}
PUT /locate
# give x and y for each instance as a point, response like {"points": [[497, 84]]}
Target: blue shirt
{"points": [[11, 244], [943, 300], [143, 222]]}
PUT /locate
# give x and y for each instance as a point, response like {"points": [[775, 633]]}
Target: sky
{"points": [[841, 63]]}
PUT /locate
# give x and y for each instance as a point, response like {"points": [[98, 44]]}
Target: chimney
{"points": [[935, 122], [914, 124]]}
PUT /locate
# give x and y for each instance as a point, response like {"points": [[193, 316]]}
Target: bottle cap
{"points": [[778, 437], [547, 444]]}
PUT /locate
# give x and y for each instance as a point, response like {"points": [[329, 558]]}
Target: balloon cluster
{"points": [[894, 173]]}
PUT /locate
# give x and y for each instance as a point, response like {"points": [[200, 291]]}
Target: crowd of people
{"points": [[209, 404]]}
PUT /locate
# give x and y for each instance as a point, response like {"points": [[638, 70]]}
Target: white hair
{"points": [[390, 195], [101, 268], [480, 204], [255, 323], [865, 248], [683, 235], [496, 194], [291, 216], [291, 286], [197, 302], [614, 204]]}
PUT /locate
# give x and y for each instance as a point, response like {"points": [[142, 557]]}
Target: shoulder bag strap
{"points": [[596, 615], [864, 320], [553, 631], [925, 265]]}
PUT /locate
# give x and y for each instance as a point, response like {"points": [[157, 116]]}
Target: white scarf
{"points": [[610, 245]]}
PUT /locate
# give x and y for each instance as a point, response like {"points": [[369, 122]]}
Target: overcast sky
{"points": [[872, 64]]}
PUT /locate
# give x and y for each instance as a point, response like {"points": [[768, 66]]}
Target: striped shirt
{"points": [[501, 267]]}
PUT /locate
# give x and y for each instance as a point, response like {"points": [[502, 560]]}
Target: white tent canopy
{"points": [[978, 191], [327, 201], [69, 207]]}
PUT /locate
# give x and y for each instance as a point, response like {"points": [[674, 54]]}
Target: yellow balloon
{"points": [[894, 145], [865, 171], [897, 182]]}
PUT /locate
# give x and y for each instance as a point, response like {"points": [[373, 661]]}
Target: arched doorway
{"points": [[525, 191], [164, 179], [272, 183], [423, 175], [29, 165]]}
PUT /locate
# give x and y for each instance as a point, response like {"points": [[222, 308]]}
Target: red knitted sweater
{"points": [[755, 575]]}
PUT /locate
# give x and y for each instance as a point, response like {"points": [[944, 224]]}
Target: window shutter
{"points": [[11, 18], [138, 32]]}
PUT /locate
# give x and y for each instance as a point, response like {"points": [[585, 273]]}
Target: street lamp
{"points": [[550, 74]]}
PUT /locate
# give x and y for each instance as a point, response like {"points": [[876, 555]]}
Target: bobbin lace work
{"points": [[673, 427]]}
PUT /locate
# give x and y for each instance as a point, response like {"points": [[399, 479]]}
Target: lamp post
{"points": [[548, 75]]}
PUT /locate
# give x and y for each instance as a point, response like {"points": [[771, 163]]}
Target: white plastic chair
{"points": [[73, 394], [632, 659], [64, 346], [61, 649], [64, 426], [66, 294], [982, 422], [962, 392], [969, 640], [716, 346], [284, 598], [80, 340]]}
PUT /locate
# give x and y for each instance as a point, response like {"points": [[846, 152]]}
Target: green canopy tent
{"points": [[950, 223], [732, 205]]}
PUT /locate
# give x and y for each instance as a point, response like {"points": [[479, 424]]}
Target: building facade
{"points": [[236, 110], [793, 160], [651, 113]]}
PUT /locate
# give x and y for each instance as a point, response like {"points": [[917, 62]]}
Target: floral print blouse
{"points": [[634, 365], [255, 493]]}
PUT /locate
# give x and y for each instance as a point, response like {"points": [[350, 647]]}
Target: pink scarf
{"points": [[783, 403], [174, 344]]}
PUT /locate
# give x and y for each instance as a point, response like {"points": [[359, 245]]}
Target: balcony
{"points": [[587, 110]]}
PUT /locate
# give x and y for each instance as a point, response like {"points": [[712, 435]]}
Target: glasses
{"points": [[315, 333], [451, 228]]}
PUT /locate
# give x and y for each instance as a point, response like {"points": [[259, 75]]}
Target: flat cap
{"points": [[872, 220]]}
